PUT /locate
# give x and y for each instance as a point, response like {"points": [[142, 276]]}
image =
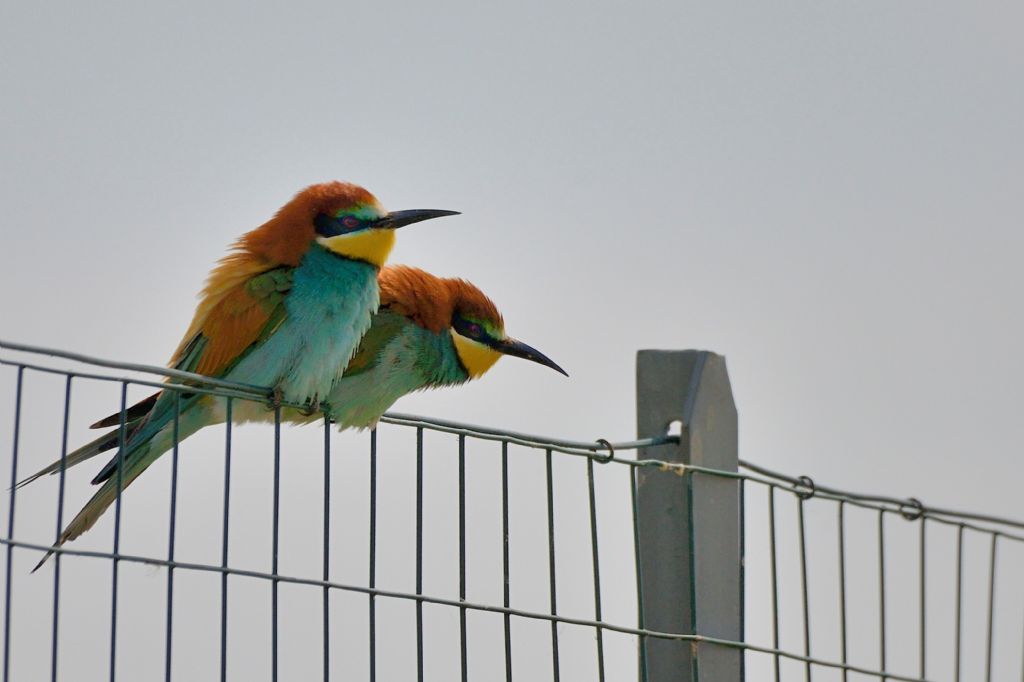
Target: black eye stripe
{"points": [[472, 330], [329, 226]]}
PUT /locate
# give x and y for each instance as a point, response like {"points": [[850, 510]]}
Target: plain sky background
{"points": [[828, 193]]}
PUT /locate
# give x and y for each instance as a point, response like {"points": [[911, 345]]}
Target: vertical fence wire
{"points": [[881, 591], [115, 560], [60, 526], [842, 587], [419, 553], [959, 599], [327, 549], [803, 588], [775, 580], [596, 562], [10, 522], [555, 667], [225, 528], [640, 620], [171, 535], [462, 558], [372, 572], [923, 601], [276, 545], [506, 585], [991, 608]]}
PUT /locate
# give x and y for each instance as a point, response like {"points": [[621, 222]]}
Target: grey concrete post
{"points": [[689, 526]]}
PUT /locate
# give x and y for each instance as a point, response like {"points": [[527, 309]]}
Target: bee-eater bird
{"points": [[286, 310], [429, 332]]}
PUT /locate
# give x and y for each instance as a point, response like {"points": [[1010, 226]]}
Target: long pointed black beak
{"points": [[521, 350], [397, 219]]}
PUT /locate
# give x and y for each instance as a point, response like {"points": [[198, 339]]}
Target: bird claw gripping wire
{"points": [[276, 398], [611, 451], [311, 408]]}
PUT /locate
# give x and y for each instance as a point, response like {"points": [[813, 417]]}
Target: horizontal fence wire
{"points": [[759, 480], [600, 449]]}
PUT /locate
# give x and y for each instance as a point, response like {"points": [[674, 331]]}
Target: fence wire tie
{"points": [[677, 468], [804, 488], [604, 459], [912, 509]]}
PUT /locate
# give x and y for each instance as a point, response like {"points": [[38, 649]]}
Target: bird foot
{"points": [[312, 407], [276, 398]]}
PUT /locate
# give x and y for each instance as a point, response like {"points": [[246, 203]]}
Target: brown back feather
{"points": [[282, 240]]}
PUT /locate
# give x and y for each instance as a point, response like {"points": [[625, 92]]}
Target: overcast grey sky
{"points": [[827, 193]]}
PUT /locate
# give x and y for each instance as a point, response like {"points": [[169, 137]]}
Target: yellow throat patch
{"points": [[475, 357], [372, 246]]}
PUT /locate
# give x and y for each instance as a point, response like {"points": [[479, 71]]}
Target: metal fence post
{"points": [[689, 526]]}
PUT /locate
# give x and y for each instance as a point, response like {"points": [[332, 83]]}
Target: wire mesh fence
{"points": [[430, 549]]}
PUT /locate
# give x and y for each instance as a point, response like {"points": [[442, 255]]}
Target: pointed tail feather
{"points": [[157, 423], [147, 443], [132, 414], [93, 509], [107, 441], [42, 561], [100, 502]]}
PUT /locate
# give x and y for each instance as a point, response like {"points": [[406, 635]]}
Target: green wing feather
{"points": [[386, 325]]}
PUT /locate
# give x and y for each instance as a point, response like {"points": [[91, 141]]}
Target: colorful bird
{"points": [[285, 310], [429, 332]]}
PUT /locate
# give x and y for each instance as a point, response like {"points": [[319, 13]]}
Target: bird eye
{"points": [[333, 225], [471, 330]]}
